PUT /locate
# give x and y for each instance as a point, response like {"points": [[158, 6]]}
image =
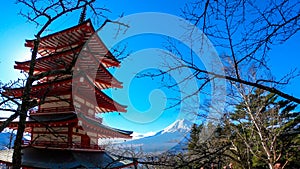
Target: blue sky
{"points": [[14, 30]]}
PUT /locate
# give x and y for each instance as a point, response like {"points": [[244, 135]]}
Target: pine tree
{"points": [[265, 129]]}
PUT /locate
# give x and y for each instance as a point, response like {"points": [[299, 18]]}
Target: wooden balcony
{"points": [[63, 145], [53, 109]]}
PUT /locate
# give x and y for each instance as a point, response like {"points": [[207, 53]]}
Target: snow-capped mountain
{"points": [[181, 126], [173, 136]]}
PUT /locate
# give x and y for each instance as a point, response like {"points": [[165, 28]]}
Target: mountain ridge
{"points": [[173, 136]]}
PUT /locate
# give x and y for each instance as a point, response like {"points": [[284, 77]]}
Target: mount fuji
{"points": [[172, 138]]}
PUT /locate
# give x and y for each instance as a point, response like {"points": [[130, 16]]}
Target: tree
{"points": [[210, 151], [264, 130], [43, 14], [243, 32], [259, 132]]}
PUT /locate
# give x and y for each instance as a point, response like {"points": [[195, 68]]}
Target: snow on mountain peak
{"points": [[172, 138], [181, 125]]}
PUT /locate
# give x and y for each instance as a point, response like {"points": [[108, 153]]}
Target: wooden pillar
{"points": [[85, 141], [70, 135]]}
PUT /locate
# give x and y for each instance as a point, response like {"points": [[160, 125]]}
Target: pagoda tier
{"points": [[58, 60], [64, 159], [69, 130], [65, 59], [57, 96], [73, 37]]}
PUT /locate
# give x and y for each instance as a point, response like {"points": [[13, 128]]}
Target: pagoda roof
{"points": [[62, 60], [69, 117], [72, 37], [42, 119], [51, 118], [51, 88], [59, 119], [53, 61], [57, 158], [64, 86], [93, 123]]}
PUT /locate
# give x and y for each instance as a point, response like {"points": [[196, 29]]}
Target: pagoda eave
{"points": [[65, 38], [41, 157]]}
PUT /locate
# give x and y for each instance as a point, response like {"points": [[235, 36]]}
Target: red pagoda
{"points": [[65, 127]]}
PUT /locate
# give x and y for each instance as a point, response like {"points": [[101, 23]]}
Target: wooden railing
{"points": [[55, 144], [55, 109]]}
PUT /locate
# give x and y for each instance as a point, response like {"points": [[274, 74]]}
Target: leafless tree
{"points": [[243, 32]]}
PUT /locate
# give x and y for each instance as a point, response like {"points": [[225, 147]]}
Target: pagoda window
{"points": [[76, 141], [53, 129], [89, 104], [92, 134], [55, 104], [60, 97], [76, 104], [78, 131], [91, 112], [79, 99]]}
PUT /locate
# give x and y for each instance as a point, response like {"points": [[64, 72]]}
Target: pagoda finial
{"points": [[82, 15]]}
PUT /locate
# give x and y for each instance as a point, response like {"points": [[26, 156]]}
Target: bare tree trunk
{"points": [[17, 156]]}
